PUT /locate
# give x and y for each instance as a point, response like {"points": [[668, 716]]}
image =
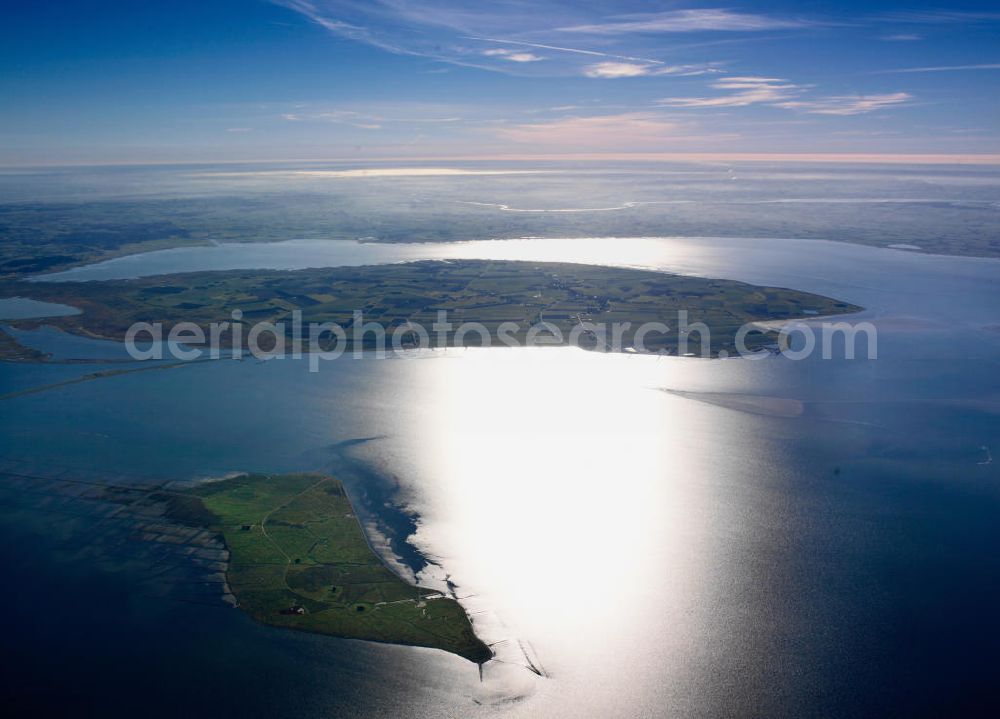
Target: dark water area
{"points": [[99, 621], [87, 641]]}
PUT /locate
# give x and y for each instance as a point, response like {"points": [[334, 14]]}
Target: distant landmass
{"points": [[487, 292]]}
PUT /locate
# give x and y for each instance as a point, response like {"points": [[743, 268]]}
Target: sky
{"points": [[243, 80]]}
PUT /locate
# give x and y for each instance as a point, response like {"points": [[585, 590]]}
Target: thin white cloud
{"points": [[512, 55], [938, 17], [743, 81], [440, 30], [902, 37], [943, 68], [503, 37], [748, 90], [777, 92], [560, 48], [361, 120], [619, 131], [238, 129], [523, 57], [694, 20], [848, 104], [342, 117], [339, 27], [614, 70]]}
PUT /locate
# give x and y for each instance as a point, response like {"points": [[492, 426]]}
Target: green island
{"points": [[487, 292], [300, 560]]}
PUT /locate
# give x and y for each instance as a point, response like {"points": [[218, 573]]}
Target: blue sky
{"points": [[301, 79]]}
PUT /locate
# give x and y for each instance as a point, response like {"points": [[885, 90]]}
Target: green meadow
{"points": [[300, 560]]}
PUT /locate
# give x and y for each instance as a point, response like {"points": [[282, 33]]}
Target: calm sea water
{"points": [[661, 537], [21, 308]]}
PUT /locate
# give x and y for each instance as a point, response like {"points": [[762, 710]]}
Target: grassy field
{"points": [[300, 560], [487, 292]]}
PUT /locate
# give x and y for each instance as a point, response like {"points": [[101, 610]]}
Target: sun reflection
{"points": [[645, 252], [559, 491]]}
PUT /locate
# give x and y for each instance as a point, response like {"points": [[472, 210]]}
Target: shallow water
{"points": [[21, 308]]}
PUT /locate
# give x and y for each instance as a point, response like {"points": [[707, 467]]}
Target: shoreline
{"points": [[138, 249]]}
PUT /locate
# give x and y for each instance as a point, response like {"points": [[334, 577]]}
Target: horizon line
{"points": [[833, 157]]}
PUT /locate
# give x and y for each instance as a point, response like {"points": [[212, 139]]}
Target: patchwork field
{"points": [[490, 293]]}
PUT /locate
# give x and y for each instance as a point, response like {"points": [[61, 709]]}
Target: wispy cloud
{"points": [[749, 90], [614, 70], [361, 120], [442, 31], [607, 40], [938, 17], [339, 27], [617, 69], [618, 131], [559, 48], [848, 104], [778, 92], [341, 117], [942, 68], [694, 20], [512, 55]]}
